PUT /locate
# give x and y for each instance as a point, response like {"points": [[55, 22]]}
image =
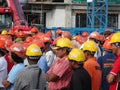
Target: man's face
{"points": [[114, 49], [60, 52]]}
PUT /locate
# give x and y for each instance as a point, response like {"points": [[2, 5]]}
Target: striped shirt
{"points": [[62, 69]]}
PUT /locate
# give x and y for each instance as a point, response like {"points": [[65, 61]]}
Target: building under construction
{"points": [[70, 13]]}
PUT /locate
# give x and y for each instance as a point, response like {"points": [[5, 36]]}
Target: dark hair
{"points": [[2, 52], [16, 58], [33, 58], [67, 50], [91, 53]]}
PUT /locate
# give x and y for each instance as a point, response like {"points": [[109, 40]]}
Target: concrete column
{"points": [[68, 16], [73, 21], [56, 17], [119, 21]]}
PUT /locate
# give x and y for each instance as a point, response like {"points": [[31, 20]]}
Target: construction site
{"points": [[73, 13]]}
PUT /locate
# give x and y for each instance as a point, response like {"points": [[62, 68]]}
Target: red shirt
{"points": [[9, 64], [116, 67], [115, 70], [61, 68]]}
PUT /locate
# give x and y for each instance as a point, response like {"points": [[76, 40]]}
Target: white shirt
{"points": [[3, 70], [49, 57]]}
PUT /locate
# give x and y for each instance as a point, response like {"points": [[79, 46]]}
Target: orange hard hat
{"points": [[94, 35], [2, 44], [79, 39], [25, 46], [38, 42], [18, 49], [29, 39], [107, 45], [38, 36], [34, 30], [20, 34], [10, 32], [46, 39], [8, 43], [66, 34], [84, 34], [4, 37], [109, 37], [58, 31], [49, 33], [101, 38]]}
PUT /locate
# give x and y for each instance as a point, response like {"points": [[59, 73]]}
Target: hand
{"points": [[110, 78], [6, 83]]}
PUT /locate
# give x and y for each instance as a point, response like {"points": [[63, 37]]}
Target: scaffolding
{"points": [[97, 14]]}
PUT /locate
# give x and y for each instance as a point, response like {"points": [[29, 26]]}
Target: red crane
{"points": [[12, 14]]}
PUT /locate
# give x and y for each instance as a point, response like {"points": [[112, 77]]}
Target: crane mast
{"points": [[97, 13]]}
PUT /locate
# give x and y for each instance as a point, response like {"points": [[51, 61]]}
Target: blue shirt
{"points": [[42, 63], [106, 63], [16, 69]]}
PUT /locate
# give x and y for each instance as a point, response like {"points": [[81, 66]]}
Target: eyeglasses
{"points": [[116, 44]]}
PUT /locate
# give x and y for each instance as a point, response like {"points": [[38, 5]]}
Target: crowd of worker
{"points": [[37, 61]]}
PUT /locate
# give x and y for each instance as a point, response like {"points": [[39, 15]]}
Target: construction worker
{"points": [[48, 53], [3, 69], [58, 32], [16, 56], [34, 31], [107, 33], [106, 63], [85, 36], [81, 79], [91, 65], [32, 78], [66, 34], [95, 36], [42, 63], [113, 76], [59, 75]]}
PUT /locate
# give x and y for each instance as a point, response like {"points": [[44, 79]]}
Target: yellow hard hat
{"points": [[90, 46], [33, 50], [64, 42], [4, 32], [115, 38], [76, 55]]}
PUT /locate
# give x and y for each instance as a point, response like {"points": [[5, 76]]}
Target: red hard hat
{"points": [[18, 49]]}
